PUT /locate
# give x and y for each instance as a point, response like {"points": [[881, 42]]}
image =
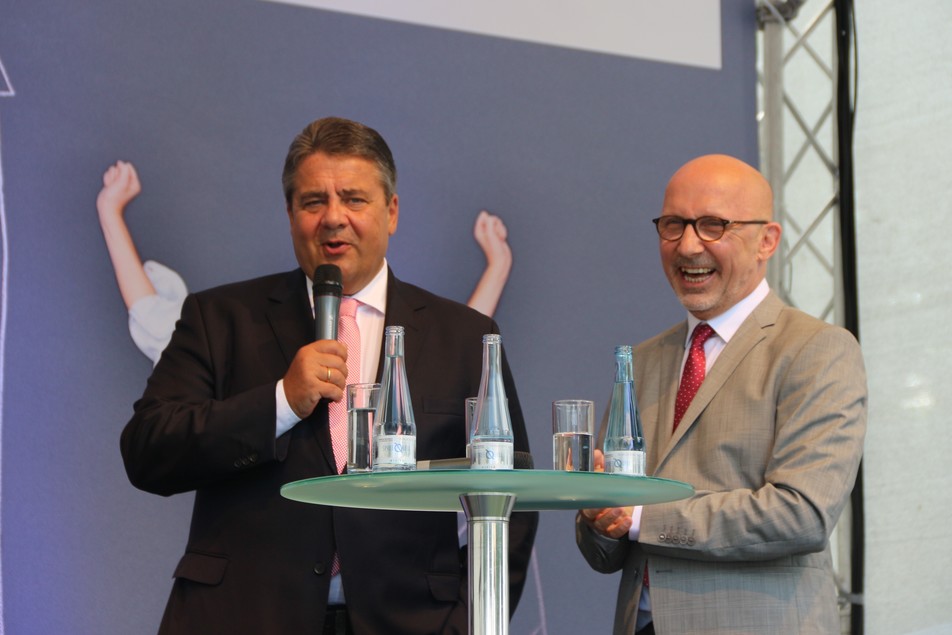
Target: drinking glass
{"points": [[361, 406], [573, 426]]}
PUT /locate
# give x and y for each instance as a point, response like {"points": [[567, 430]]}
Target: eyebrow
{"points": [[350, 191], [354, 191]]}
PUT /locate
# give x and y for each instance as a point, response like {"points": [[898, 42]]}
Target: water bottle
{"points": [[624, 444], [491, 436], [394, 426]]}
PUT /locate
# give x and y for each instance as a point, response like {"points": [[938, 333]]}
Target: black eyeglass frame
{"points": [[723, 222]]}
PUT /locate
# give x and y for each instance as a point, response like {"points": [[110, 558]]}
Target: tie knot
{"points": [[348, 307], [702, 332]]}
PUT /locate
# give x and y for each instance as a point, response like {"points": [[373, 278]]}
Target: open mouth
{"points": [[332, 247], [696, 274]]}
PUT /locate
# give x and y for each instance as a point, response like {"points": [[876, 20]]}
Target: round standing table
{"points": [[487, 498]]}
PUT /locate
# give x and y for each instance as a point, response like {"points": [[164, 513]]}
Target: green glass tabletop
{"points": [[439, 490]]}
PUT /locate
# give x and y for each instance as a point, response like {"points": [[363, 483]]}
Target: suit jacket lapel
{"points": [[750, 333], [402, 311], [290, 315], [292, 321], [668, 362]]}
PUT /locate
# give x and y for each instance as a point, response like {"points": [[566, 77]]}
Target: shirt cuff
{"points": [[634, 532], [285, 419]]}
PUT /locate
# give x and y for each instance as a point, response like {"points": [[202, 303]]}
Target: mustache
{"points": [[695, 263]]}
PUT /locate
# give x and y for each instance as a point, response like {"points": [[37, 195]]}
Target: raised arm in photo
{"points": [[120, 186], [153, 293], [490, 233]]}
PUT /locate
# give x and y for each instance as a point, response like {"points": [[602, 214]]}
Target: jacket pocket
{"points": [[202, 568]]}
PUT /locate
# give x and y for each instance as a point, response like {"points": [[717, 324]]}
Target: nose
{"points": [[335, 214], [690, 243]]}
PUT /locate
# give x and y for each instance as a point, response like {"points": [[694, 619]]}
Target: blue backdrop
{"points": [[571, 148]]}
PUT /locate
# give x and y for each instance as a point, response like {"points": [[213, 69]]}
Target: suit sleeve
{"points": [[190, 428], [603, 554], [812, 415]]}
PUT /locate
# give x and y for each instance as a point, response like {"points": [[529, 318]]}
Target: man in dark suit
{"points": [[238, 406]]}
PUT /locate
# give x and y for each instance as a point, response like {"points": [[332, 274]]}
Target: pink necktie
{"points": [[694, 370], [349, 335]]}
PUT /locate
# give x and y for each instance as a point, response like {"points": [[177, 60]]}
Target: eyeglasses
{"points": [[707, 228]]}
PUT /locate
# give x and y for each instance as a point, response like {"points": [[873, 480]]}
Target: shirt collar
{"points": [[727, 323], [373, 295]]}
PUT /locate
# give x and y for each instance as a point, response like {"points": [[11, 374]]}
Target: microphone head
{"points": [[327, 280]]}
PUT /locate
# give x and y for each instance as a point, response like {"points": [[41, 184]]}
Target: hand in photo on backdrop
{"points": [[491, 234], [120, 186], [613, 522], [153, 293]]}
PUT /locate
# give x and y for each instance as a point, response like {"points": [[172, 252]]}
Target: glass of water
{"points": [[573, 426], [361, 405]]}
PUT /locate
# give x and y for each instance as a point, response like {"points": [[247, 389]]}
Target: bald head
{"points": [[709, 275], [729, 180]]}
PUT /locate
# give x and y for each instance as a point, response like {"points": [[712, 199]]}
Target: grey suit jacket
{"points": [[771, 443]]}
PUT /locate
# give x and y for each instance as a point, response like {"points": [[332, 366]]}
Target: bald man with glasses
{"points": [[764, 414]]}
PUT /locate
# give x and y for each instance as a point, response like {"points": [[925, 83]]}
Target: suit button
{"points": [[660, 537], [253, 458], [320, 568]]}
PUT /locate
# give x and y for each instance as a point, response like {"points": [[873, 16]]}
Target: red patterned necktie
{"points": [[349, 335], [694, 370]]}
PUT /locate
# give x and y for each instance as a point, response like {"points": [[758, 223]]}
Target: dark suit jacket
{"points": [[259, 563]]}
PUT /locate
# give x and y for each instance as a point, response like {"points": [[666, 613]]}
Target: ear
{"points": [[393, 214], [769, 241]]}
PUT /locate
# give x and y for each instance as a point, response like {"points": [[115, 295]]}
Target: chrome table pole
{"points": [[487, 516]]}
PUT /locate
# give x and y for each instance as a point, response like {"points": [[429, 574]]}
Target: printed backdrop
{"points": [[564, 126]]}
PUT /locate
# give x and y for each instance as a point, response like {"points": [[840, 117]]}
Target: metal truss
{"points": [[796, 73], [797, 62]]}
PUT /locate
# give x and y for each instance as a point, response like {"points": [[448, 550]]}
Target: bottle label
{"points": [[625, 462], [491, 455], [394, 452]]}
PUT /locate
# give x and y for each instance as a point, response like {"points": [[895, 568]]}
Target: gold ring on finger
{"points": [[328, 373]]}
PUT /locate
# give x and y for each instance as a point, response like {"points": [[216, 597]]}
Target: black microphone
{"points": [[327, 292]]}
